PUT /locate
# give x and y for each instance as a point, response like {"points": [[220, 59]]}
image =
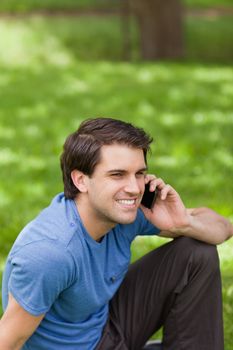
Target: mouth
{"points": [[128, 203]]}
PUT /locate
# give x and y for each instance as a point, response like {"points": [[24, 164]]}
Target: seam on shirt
{"points": [[27, 308]]}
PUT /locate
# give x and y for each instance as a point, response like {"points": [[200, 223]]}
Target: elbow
{"points": [[228, 231], [218, 242]]}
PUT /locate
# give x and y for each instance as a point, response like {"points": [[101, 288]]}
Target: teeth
{"points": [[126, 201]]}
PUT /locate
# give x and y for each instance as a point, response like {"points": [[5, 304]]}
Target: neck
{"points": [[96, 228]]}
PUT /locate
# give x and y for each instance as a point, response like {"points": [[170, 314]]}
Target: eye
{"points": [[140, 174], [116, 174]]}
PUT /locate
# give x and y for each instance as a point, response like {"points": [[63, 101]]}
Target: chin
{"points": [[122, 218], [127, 221]]}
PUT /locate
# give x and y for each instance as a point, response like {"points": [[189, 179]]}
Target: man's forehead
{"points": [[119, 156]]}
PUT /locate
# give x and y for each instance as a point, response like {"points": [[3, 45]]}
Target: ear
{"points": [[79, 180]]}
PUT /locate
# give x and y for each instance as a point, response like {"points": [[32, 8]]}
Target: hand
{"points": [[168, 212]]}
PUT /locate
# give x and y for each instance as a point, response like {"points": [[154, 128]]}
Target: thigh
{"points": [[150, 288]]}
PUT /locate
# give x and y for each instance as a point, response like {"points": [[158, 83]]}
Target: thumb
{"points": [[147, 212]]}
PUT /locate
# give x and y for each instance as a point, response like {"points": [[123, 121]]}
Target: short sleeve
{"points": [[39, 272]]}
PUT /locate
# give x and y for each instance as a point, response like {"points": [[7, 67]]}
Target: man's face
{"points": [[115, 189]]}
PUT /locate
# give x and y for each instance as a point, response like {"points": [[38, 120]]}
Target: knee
{"points": [[203, 254]]}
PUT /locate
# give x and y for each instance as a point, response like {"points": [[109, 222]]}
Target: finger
{"points": [[151, 179], [165, 191], [160, 184], [156, 183]]}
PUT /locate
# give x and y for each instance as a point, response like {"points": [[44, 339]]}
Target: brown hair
{"points": [[82, 149]]}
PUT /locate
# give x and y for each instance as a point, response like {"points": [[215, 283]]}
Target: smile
{"points": [[127, 201]]}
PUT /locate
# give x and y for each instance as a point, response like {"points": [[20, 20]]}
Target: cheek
{"points": [[111, 188], [103, 194], [141, 184]]}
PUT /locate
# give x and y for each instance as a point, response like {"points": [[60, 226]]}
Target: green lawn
{"points": [[49, 84], [31, 5], [207, 3], [28, 5]]}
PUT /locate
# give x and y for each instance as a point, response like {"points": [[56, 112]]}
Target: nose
{"points": [[133, 186]]}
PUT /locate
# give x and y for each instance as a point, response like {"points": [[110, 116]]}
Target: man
{"points": [[67, 282]]}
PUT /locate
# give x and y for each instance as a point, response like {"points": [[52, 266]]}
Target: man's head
{"points": [[82, 149]]}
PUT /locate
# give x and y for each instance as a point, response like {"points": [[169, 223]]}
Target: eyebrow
{"points": [[124, 171]]}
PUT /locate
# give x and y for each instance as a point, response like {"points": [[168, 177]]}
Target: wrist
{"points": [[184, 225], [230, 230]]}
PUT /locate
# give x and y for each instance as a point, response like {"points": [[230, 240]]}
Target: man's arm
{"points": [[173, 219], [205, 225], [16, 326]]}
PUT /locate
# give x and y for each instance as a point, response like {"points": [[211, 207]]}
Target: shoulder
{"points": [[56, 223], [44, 254]]}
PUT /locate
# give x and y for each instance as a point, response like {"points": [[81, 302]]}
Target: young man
{"points": [[68, 284]]}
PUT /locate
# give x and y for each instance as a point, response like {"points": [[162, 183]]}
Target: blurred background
{"points": [[165, 66]]}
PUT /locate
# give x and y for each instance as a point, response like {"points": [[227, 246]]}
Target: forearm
{"points": [[206, 225], [8, 343], [16, 326]]}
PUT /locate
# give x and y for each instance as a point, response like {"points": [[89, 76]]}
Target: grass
{"points": [[205, 40], [51, 80], [207, 3], [22, 6]]}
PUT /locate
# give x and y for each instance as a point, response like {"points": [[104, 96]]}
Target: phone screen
{"points": [[149, 197]]}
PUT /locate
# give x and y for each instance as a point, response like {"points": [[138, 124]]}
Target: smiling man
{"points": [[68, 283]]}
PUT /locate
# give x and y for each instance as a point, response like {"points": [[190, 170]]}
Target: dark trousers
{"points": [[177, 286]]}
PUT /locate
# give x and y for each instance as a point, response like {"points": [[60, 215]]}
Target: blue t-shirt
{"points": [[56, 268]]}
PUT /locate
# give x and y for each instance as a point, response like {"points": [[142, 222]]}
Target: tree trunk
{"points": [[161, 28], [125, 15]]}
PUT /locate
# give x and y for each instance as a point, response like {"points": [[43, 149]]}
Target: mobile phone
{"points": [[149, 197]]}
